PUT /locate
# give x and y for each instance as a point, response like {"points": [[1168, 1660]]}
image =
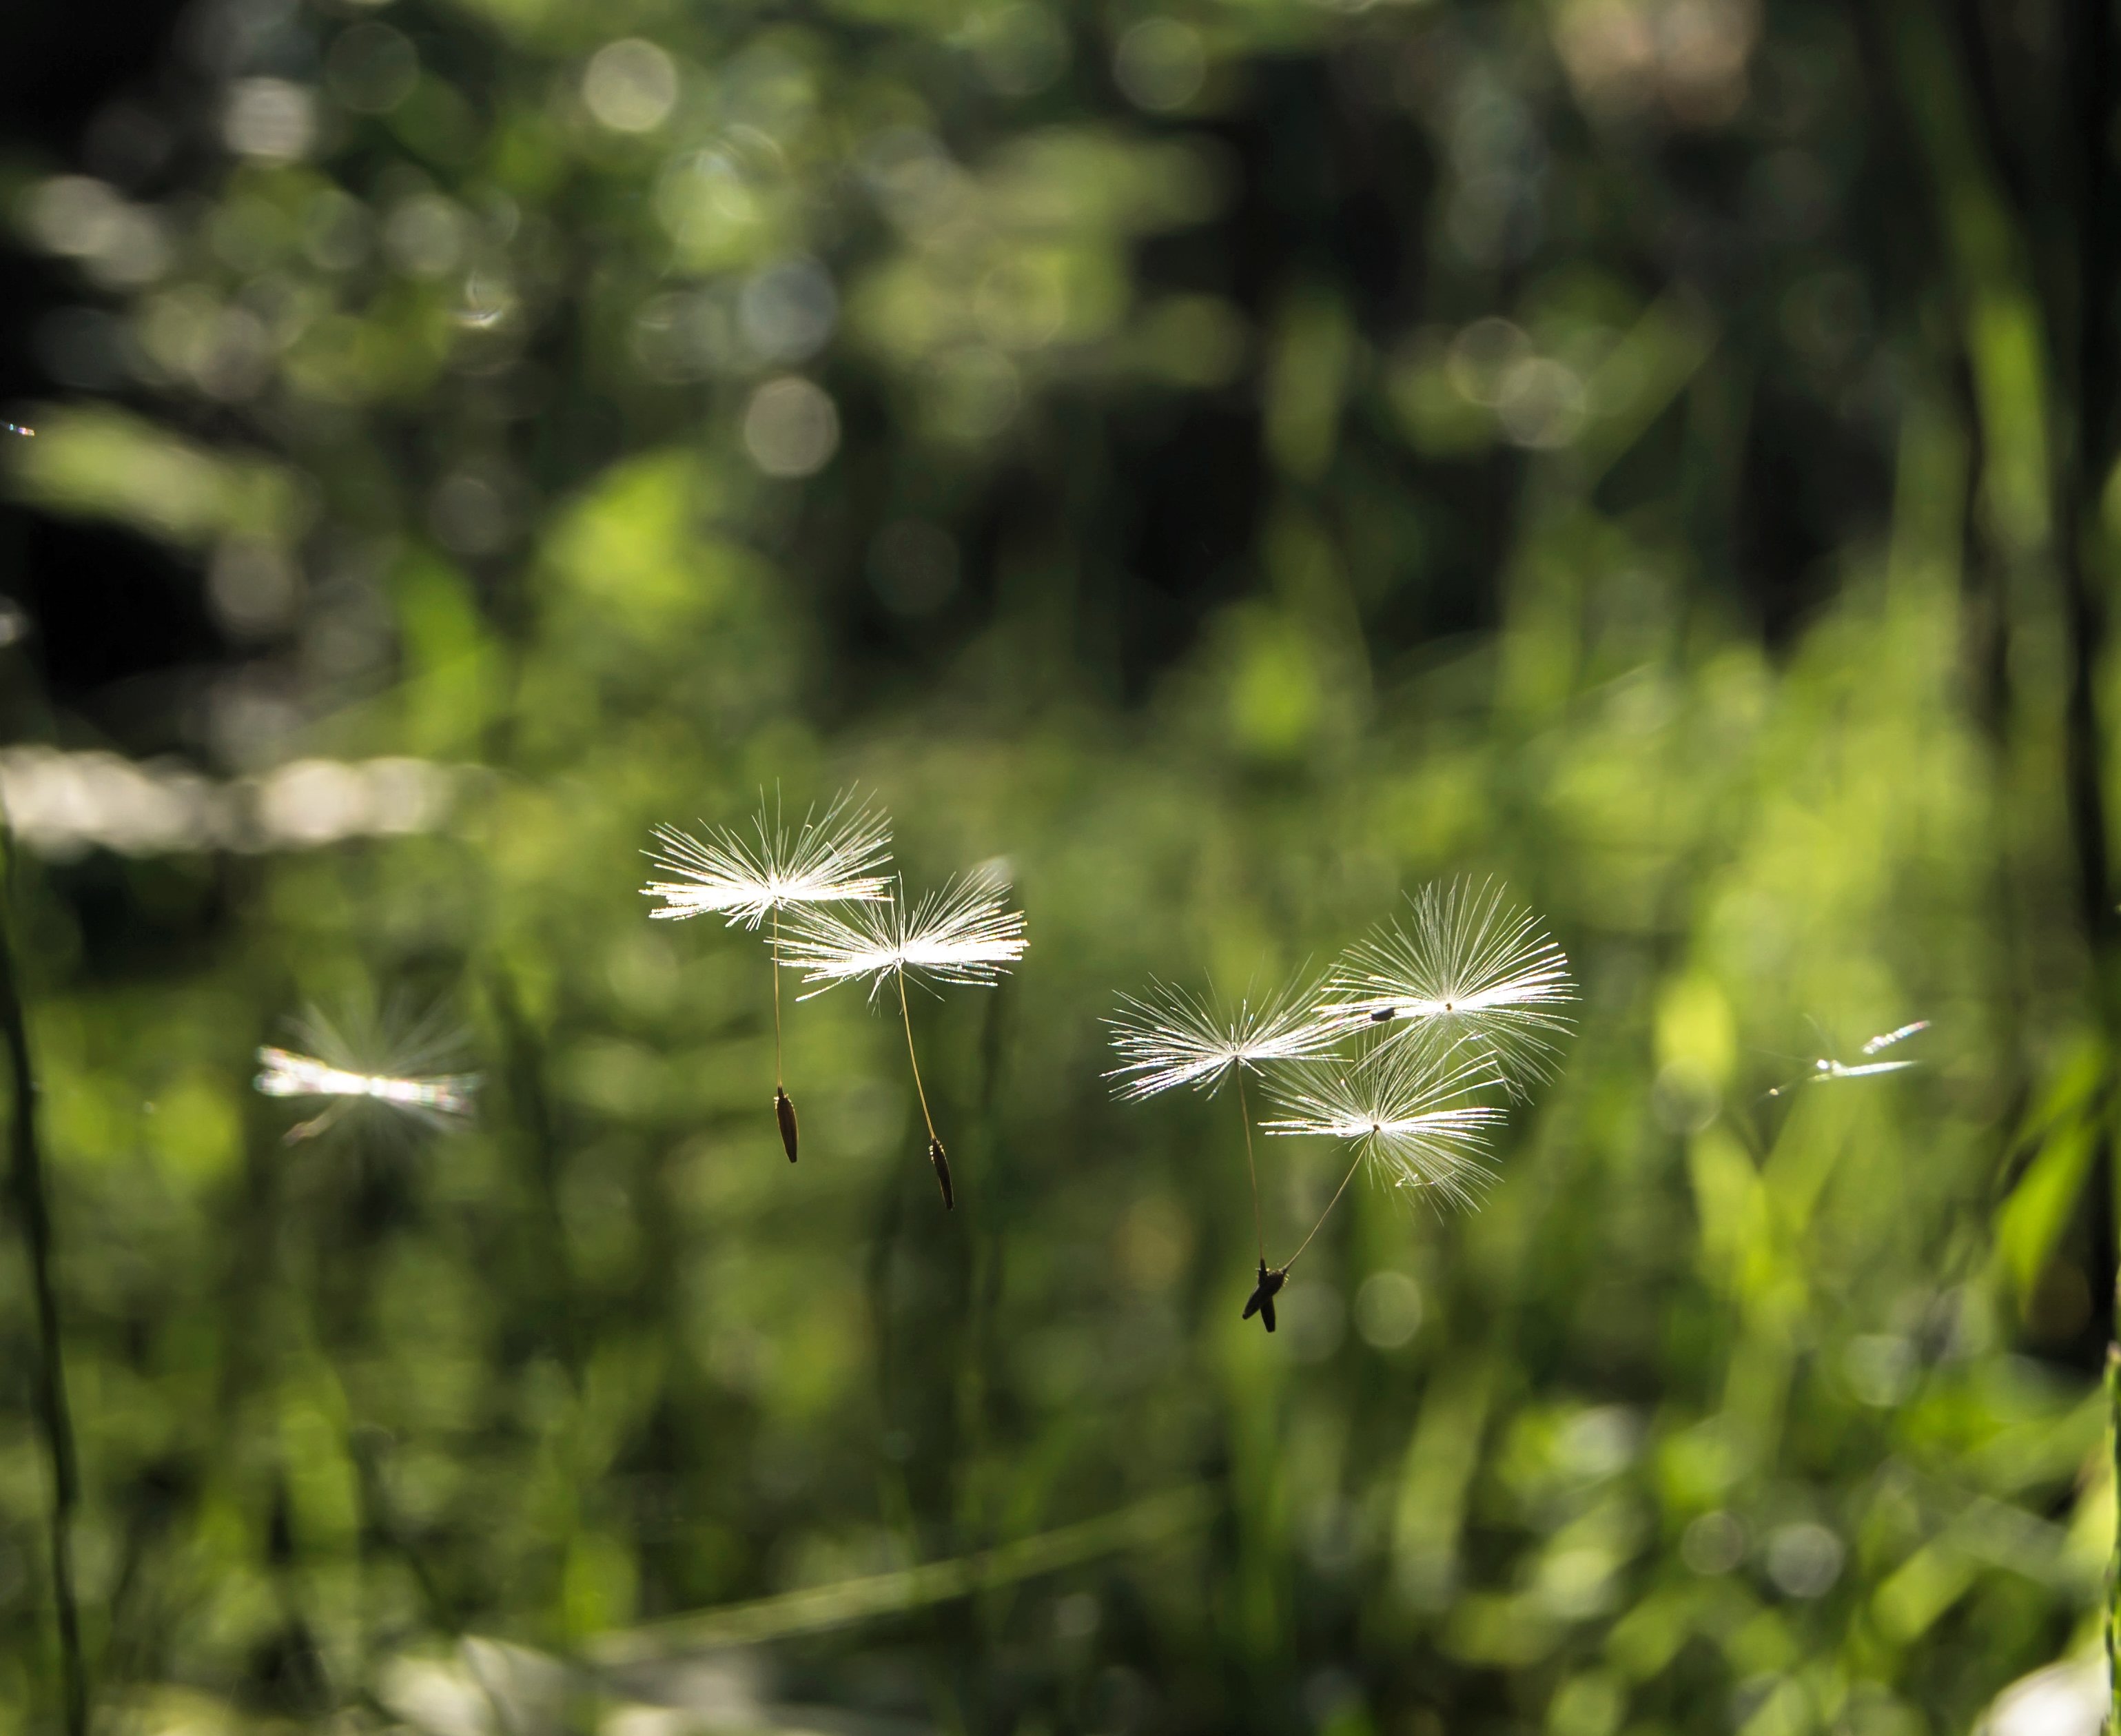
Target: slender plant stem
{"points": [[524, 1054], [780, 1079], [822, 1609], [34, 1210], [1251, 1168], [2114, 1567], [1328, 1211], [2089, 46], [905, 1013]]}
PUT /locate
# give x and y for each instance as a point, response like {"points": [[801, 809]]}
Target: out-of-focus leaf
{"points": [[2032, 1218], [105, 464]]}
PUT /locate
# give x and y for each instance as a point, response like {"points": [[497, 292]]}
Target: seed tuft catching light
{"points": [[963, 933], [830, 858], [1826, 1068], [1411, 1112], [1465, 969], [1438, 1014], [1169, 1037], [387, 1060]]}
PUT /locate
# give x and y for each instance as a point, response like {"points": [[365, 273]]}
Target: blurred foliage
{"points": [[1234, 462]]}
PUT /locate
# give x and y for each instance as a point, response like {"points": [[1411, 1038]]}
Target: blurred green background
{"points": [[1234, 461]]}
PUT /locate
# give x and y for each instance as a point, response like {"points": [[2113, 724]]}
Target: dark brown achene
{"points": [[1261, 1301], [942, 1172], [783, 1112]]}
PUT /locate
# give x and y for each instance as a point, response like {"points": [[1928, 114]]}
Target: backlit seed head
{"points": [[386, 1063], [1462, 967], [830, 858], [965, 933], [1826, 1067], [1414, 1112], [1168, 1037]]}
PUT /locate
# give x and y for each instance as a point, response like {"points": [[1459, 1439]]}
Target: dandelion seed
{"points": [[1465, 969], [356, 1066], [1412, 1113], [1461, 998], [289, 1075], [832, 858], [1260, 1302], [1169, 1037], [965, 933], [1408, 1109], [1890, 1037], [1825, 1068]]}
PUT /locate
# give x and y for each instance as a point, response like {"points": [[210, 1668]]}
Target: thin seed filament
{"points": [[1251, 1167], [906, 1014], [936, 1156], [1360, 1152], [780, 1078]]}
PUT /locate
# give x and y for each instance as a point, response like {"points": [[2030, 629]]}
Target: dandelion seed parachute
{"points": [[1413, 1114], [382, 1062], [833, 857], [1826, 1068], [288, 1074], [1464, 967], [1167, 1038], [1408, 1109], [1888, 1039], [963, 933]]}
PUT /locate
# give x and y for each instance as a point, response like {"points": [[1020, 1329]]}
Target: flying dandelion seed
{"points": [[289, 1075], [832, 858], [1408, 1111], [1825, 1068], [964, 934], [384, 1061], [1462, 999], [1412, 1113], [1169, 1037], [1466, 968], [1890, 1038]]}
